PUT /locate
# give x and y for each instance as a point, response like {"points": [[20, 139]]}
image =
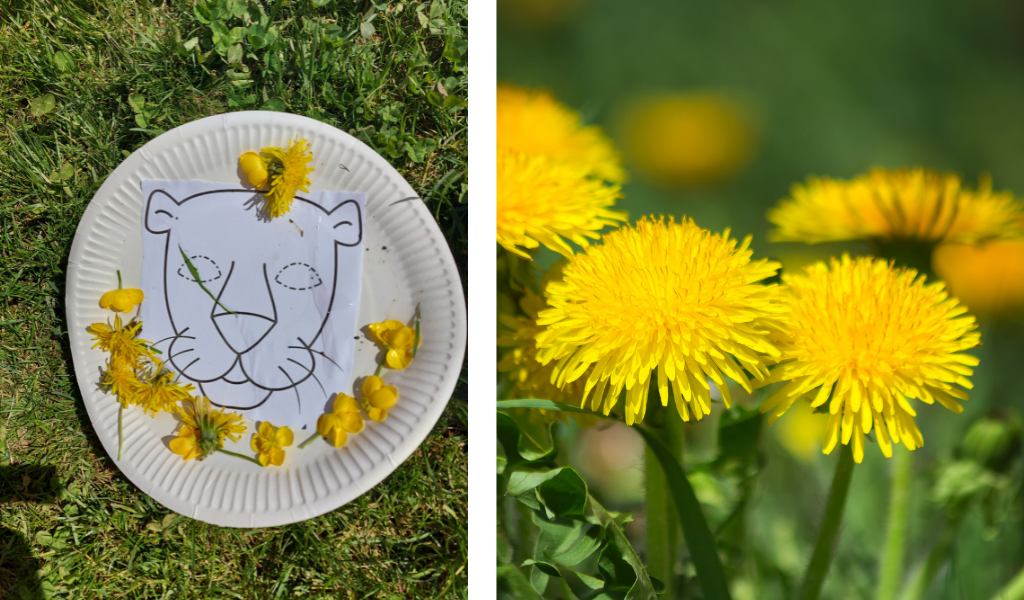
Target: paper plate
{"points": [[407, 262]]}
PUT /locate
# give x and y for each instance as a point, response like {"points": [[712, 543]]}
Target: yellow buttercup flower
{"points": [[687, 138], [120, 341], [663, 295], [886, 204], [541, 201], [122, 300], [398, 339], [119, 378], [212, 426], [378, 398], [988, 278], [533, 122], [269, 443], [254, 168], [159, 392], [344, 419], [186, 444], [869, 338]]}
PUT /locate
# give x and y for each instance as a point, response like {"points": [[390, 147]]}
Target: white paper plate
{"points": [[407, 262]]}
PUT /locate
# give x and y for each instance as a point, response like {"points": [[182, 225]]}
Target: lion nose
{"points": [[242, 331]]}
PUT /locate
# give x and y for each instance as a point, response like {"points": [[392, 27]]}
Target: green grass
{"points": [[118, 74]]}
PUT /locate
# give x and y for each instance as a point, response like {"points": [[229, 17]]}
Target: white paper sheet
{"points": [[293, 283]]}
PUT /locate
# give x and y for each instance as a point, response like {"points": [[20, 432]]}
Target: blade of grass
{"points": [[195, 276]]}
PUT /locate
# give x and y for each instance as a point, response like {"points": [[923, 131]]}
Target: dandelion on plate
{"points": [[121, 341], [533, 122], [211, 426], [663, 295], [285, 171], [545, 202], [159, 392], [867, 338], [884, 204], [119, 379]]}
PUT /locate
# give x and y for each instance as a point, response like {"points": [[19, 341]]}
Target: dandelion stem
{"points": [[242, 456], [119, 279], [663, 527], [310, 440], [896, 531], [120, 435], [821, 559]]}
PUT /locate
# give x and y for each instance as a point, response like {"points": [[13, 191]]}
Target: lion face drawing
{"points": [[251, 316]]}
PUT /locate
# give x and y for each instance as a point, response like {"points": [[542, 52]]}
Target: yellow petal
{"points": [[385, 397], [326, 423], [337, 437], [399, 359], [403, 338], [267, 430], [284, 437], [264, 459], [106, 300], [371, 384], [377, 414], [135, 295], [276, 456], [381, 331], [254, 169], [345, 404], [352, 422]]}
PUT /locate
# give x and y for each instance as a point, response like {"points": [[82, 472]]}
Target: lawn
{"points": [[82, 85]]}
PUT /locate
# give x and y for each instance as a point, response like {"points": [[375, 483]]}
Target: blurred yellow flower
{"points": [[269, 443], [802, 431], [871, 337], [666, 295], [532, 122], [988, 278], [398, 339], [120, 341], [378, 398], [886, 204], [545, 202], [536, 14], [344, 419], [687, 138]]}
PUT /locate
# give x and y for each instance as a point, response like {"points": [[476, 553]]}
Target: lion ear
{"points": [[162, 212], [347, 223]]}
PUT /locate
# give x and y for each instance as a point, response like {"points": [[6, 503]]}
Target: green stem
{"points": [[662, 519], [922, 578], [120, 434], [119, 279], [310, 440], [416, 340], [195, 275], [242, 456], [821, 559], [380, 369], [896, 533], [1013, 590]]}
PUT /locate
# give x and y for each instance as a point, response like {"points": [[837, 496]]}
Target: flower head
{"points": [[687, 138], [398, 339], [541, 201], [122, 300], [663, 295], [119, 378], [869, 338], [186, 444], [891, 204], [269, 443], [121, 341], [159, 392], [533, 122], [343, 420], [284, 171], [212, 426], [988, 277], [378, 398]]}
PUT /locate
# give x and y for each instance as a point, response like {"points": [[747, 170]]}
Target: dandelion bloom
{"points": [[869, 338], [544, 202], [186, 444], [660, 294], [988, 278], [159, 392], [341, 421], [122, 300], [212, 426], [687, 138], [533, 122], [269, 443], [398, 339], [890, 204], [121, 341], [285, 172], [378, 398], [119, 378]]}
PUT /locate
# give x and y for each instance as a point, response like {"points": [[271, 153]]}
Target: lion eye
{"points": [[298, 276], [207, 269]]}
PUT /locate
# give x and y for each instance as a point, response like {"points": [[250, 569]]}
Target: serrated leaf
{"points": [[42, 105], [274, 104]]}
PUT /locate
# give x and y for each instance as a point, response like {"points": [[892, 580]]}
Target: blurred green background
{"points": [[824, 89]]}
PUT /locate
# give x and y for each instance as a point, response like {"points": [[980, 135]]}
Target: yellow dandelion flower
{"points": [[119, 378], [121, 341], [667, 295], [269, 443], [544, 202], [341, 421], [869, 338], [891, 204], [284, 171], [533, 122], [159, 392], [378, 398], [688, 138], [988, 278], [212, 426]]}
